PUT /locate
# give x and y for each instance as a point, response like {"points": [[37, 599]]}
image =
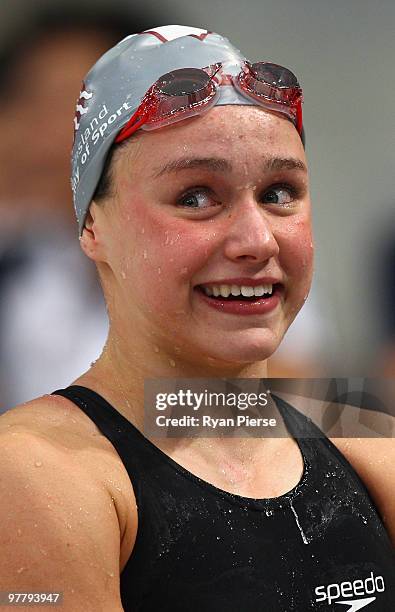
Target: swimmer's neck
{"points": [[123, 367], [119, 373]]}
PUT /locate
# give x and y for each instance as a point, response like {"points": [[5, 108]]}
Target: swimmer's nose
{"points": [[251, 237]]}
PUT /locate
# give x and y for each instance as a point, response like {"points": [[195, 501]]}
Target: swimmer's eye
{"points": [[201, 198], [280, 194], [198, 198]]}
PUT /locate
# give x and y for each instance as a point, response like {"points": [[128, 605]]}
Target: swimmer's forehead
{"points": [[221, 141]]}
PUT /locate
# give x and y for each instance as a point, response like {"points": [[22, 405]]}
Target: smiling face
{"points": [[211, 199]]}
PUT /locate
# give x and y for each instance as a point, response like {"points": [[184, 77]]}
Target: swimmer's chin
{"points": [[239, 357]]}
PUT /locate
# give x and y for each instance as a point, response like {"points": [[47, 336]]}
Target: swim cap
{"points": [[115, 86]]}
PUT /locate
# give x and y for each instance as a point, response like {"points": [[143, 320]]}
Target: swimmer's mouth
{"points": [[247, 293]]}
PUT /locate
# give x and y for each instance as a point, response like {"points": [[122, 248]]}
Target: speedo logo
{"points": [[353, 594]]}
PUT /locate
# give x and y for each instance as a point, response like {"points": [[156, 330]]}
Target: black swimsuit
{"points": [[321, 546]]}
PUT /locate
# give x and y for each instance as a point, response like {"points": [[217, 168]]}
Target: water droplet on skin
{"points": [[19, 532], [123, 274], [159, 271], [184, 270], [21, 569], [142, 230], [172, 363], [38, 463], [145, 254], [156, 349]]}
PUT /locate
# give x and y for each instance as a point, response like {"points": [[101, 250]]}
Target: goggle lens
{"points": [[274, 75], [178, 90], [184, 82], [271, 82]]}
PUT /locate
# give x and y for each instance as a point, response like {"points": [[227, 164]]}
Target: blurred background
{"points": [[53, 321]]}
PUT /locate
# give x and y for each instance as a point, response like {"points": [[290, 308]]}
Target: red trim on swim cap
{"points": [[200, 36], [159, 36], [163, 39]]}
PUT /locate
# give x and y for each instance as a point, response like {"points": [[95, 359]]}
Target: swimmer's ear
{"points": [[90, 240]]}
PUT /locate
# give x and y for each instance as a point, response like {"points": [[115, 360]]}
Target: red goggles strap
{"points": [[141, 116]]}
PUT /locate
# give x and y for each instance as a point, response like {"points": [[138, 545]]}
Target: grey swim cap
{"points": [[115, 86]]}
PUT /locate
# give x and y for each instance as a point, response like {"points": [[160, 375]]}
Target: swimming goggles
{"points": [[186, 92]]}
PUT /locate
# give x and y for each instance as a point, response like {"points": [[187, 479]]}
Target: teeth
{"points": [[235, 290], [247, 291], [225, 290]]}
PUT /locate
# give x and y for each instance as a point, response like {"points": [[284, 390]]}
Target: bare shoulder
{"points": [[47, 416], [60, 426], [64, 520], [64, 427]]}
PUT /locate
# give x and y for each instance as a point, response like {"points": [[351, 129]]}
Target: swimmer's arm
{"points": [[59, 530]]}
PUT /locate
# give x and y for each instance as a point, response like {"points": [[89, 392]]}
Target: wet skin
{"points": [[164, 233], [159, 327], [165, 230]]}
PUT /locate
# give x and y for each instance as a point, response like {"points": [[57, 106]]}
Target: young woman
{"points": [[192, 196]]}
